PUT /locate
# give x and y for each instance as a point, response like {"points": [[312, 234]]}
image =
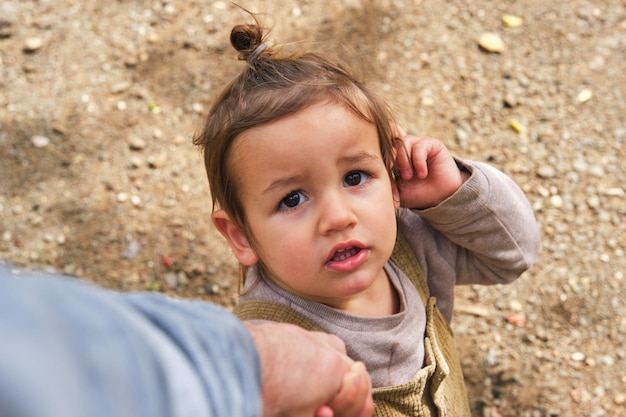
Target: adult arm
{"points": [[71, 349]]}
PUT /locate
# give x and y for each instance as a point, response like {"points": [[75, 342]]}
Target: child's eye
{"points": [[293, 199], [355, 178]]}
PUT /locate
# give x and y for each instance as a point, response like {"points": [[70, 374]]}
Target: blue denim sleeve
{"points": [[69, 349]]}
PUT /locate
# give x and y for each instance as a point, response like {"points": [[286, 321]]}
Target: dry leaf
{"points": [[517, 319], [515, 125]]}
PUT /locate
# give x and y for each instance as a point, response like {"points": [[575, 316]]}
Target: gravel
{"points": [[99, 178]]}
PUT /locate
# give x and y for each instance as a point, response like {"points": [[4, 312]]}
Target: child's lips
{"points": [[347, 256]]}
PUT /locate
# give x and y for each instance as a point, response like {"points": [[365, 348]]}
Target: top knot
{"points": [[248, 41]]}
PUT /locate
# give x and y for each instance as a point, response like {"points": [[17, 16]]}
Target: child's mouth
{"points": [[343, 254], [348, 257]]}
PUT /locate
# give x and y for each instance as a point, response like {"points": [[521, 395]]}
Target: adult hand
{"points": [[308, 374]]}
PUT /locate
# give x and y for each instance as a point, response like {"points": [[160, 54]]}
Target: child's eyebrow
{"points": [[360, 157], [282, 183]]}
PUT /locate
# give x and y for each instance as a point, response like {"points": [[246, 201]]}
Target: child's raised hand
{"points": [[428, 173]]}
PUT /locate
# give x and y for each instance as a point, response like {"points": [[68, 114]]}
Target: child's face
{"points": [[319, 203]]}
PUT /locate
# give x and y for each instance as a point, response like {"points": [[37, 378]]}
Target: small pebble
{"points": [[597, 62], [510, 100], [212, 289], [579, 165], [593, 202], [39, 141], [131, 250], [596, 171], [197, 108], [556, 201], [171, 279], [516, 306], [491, 42], [32, 44], [135, 200], [546, 171], [8, 19], [615, 192], [158, 161], [135, 162], [461, 138], [120, 87], [585, 95], [543, 191], [182, 278], [136, 143]]}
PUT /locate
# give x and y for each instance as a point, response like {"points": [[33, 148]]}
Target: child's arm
{"points": [[484, 227]]}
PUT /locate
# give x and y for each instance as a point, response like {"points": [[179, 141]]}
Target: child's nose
{"points": [[336, 213]]}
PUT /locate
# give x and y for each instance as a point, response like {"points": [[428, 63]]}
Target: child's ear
{"points": [[236, 238]]}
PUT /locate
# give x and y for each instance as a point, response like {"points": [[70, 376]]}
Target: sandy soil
{"points": [[99, 178]]}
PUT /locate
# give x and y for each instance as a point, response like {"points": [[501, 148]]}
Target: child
{"points": [[345, 224]]}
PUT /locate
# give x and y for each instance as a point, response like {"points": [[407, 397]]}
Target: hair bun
{"points": [[247, 40]]}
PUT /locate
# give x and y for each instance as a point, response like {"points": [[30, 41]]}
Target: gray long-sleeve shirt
{"points": [[485, 233]]}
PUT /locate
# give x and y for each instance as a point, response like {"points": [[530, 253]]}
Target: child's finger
{"points": [[324, 411], [354, 398], [419, 157], [424, 153]]}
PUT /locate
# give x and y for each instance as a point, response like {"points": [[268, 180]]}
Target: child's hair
{"points": [[271, 86]]}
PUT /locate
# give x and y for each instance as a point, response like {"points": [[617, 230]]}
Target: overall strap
{"points": [[404, 258], [269, 310]]}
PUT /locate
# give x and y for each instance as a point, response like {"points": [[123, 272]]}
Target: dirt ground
{"points": [[99, 179]]}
